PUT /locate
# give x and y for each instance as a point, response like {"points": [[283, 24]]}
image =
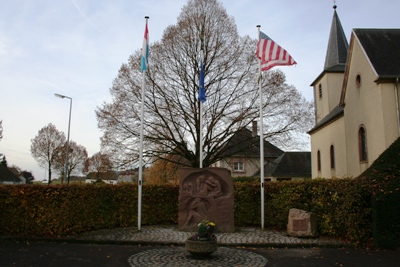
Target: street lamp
{"points": [[69, 124]]}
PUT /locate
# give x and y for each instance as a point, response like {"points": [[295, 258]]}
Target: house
{"points": [[289, 166], [242, 158], [128, 176], [8, 177], [113, 177], [18, 174], [109, 177], [356, 101]]}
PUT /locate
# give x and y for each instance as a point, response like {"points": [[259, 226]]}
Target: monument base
{"points": [[201, 248]]}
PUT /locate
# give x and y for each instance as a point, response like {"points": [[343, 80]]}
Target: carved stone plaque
{"points": [[300, 225], [206, 193]]}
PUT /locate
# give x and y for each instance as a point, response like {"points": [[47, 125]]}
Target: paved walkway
{"points": [[178, 256], [169, 235]]}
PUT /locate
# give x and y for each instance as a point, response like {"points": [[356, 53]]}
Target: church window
{"points": [[320, 91], [319, 160], [332, 157], [362, 144], [358, 81]]}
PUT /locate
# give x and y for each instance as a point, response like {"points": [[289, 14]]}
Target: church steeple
{"points": [[336, 54]]}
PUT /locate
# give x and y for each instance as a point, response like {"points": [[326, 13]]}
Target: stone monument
{"points": [[302, 223], [206, 193]]}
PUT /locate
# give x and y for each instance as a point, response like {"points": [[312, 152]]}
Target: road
{"points": [[43, 254]]}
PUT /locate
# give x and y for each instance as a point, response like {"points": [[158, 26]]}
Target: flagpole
{"points": [[261, 139], [140, 178], [201, 135], [201, 117]]}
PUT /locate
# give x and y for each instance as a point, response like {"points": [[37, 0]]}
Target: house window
{"points": [[320, 91], [238, 166], [332, 157], [362, 144], [319, 160]]}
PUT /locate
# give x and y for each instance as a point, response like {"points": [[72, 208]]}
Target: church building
{"points": [[356, 99]]}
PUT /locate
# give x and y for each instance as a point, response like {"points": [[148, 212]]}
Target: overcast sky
{"points": [[75, 48]]}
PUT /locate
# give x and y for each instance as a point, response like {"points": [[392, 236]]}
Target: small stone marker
{"points": [[302, 223]]}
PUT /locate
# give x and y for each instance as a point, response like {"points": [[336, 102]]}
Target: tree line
{"points": [[48, 148]]}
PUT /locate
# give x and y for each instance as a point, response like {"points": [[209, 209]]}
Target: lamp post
{"points": [[69, 124]]}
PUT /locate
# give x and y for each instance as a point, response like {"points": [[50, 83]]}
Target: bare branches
{"points": [[45, 145], [172, 113]]}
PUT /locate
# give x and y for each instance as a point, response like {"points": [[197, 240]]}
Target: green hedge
{"points": [[361, 210], [62, 210], [342, 207], [383, 180]]}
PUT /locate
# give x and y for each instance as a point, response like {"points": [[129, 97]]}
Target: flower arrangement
{"points": [[205, 231]]}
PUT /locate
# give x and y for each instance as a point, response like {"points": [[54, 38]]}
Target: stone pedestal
{"points": [[206, 193], [201, 248], [302, 223]]}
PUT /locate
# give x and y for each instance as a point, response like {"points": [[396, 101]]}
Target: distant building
{"points": [[109, 177], [8, 176], [113, 177], [289, 166], [128, 176], [356, 101], [242, 158]]}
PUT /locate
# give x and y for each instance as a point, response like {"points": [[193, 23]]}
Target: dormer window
{"points": [[320, 91]]}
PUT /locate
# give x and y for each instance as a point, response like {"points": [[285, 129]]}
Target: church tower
{"points": [[328, 136], [328, 85]]}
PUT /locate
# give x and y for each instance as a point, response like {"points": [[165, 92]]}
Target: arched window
{"points": [[319, 160], [358, 81], [332, 157], [362, 144]]}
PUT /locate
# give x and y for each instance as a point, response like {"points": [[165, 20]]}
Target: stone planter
{"points": [[201, 248]]}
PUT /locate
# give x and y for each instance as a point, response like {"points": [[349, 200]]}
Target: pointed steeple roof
{"points": [[336, 54]]}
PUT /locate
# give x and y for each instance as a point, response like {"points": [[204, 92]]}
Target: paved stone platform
{"points": [[169, 235], [178, 256]]}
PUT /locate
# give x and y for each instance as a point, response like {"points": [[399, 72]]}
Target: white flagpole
{"points": [[201, 119], [201, 134], [261, 140], [140, 178]]}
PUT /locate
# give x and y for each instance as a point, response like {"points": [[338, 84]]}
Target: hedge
{"points": [[383, 181], [342, 207]]}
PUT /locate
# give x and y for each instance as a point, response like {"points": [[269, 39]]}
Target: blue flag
{"points": [[202, 92]]}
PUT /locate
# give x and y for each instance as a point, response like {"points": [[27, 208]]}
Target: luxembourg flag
{"points": [[145, 50]]}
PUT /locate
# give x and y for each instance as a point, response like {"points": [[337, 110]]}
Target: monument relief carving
{"points": [[206, 194]]}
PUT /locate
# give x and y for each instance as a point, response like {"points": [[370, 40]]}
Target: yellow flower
{"points": [[211, 224]]}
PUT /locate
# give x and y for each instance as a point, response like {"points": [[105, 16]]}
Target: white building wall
{"points": [[332, 134], [371, 105]]}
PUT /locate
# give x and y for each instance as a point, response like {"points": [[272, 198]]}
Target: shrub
{"points": [[383, 181]]}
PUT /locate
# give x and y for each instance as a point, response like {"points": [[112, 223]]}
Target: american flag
{"points": [[271, 54]]}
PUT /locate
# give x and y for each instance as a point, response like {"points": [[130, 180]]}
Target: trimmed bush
{"points": [[383, 181], [343, 207]]}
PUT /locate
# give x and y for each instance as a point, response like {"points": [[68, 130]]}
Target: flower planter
{"points": [[201, 248]]}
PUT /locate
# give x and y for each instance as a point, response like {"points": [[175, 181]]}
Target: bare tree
{"points": [[45, 145], [77, 156], [172, 120], [98, 163]]}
